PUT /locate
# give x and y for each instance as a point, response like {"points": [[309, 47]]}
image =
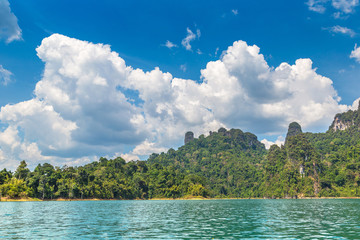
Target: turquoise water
{"points": [[209, 219]]}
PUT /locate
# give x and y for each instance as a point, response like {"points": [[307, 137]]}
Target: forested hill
{"points": [[227, 163], [218, 149]]}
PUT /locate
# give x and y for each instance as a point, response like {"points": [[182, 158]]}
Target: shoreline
{"points": [[161, 199]]}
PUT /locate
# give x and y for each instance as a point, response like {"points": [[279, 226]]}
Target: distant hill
{"points": [[226, 163]]}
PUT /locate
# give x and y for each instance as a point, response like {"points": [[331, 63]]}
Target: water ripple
{"points": [[211, 219]]}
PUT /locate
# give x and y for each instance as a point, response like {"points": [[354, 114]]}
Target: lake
{"points": [[182, 219]]}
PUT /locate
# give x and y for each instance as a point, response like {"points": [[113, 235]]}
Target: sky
{"points": [[80, 80]]}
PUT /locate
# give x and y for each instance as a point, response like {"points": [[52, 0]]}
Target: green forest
{"points": [[225, 164]]}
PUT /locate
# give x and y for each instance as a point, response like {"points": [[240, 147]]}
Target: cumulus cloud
{"points": [[279, 141], [78, 107], [341, 30], [169, 44], [9, 28], [13, 149], [2, 157], [190, 37], [5, 76], [355, 104], [146, 148], [53, 133], [82, 107], [143, 149], [129, 157], [355, 53]]}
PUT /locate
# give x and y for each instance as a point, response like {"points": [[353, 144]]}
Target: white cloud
{"points": [[146, 148], [340, 15], [2, 156], [130, 157], [235, 11], [9, 137], [346, 6], [77, 109], [183, 67], [169, 44], [190, 37], [199, 52], [216, 51], [31, 152], [9, 28], [5, 76], [356, 53], [82, 106], [279, 141], [337, 15], [12, 149], [198, 33], [341, 30], [355, 104], [39, 122], [317, 5], [343, 6]]}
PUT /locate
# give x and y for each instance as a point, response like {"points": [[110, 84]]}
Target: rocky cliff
{"points": [[343, 121], [293, 130], [189, 136]]}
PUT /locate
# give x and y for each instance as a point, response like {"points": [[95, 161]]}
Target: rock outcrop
{"points": [[294, 129], [343, 121], [189, 136], [339, 124], [222, 131]]}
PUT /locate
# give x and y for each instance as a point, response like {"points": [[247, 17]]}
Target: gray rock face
{"points": [[343, 121], [294, 129], [340, 125], [189, 136]]}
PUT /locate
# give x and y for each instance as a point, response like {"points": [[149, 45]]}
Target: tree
{"points": [[5, 176], [22, 171]]}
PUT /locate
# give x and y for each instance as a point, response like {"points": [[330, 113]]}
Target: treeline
{"points": [[224, 164], [106, 179]]}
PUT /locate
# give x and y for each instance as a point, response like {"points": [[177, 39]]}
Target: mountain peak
{"points": [[294, 129], [189, 136]]}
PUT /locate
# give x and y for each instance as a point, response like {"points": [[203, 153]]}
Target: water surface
{"points": [[182, 219]]}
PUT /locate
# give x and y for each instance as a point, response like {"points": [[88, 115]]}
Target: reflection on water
{"points": [[209, 219]]}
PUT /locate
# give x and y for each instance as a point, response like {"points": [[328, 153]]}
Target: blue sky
{"points": [[245, 64]]}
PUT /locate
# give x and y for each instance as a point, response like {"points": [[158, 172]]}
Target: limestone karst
{"points": [[189, 136]]}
